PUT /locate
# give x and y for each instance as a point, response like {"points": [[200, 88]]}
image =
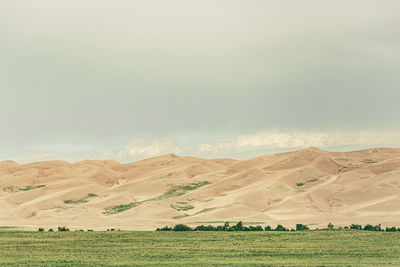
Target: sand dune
{"points": [[307, 186]]}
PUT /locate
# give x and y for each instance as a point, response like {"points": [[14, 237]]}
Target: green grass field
{"points": [[304, 248]]}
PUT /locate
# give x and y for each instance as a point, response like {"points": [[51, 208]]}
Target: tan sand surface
{"points": [[308, 186]]}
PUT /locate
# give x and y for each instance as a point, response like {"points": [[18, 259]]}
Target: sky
{"points": [[128, 80]]}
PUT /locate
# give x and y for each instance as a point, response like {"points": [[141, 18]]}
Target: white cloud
{"points": [[240, 146], [144, 148], [270, 140]]}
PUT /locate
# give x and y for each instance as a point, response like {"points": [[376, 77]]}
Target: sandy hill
{"points": [[307, 186]]}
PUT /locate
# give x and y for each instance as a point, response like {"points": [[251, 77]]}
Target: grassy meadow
{"points": [[129, 248]]}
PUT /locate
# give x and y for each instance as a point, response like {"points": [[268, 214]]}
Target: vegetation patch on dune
{"points": [[14, 189], [313, 180], [31, 187], [187, 215], [181, 208], [120, 208], [180, 216], [204, 210], [180, 190], [33, 214], [172, 192], [80, 201]]}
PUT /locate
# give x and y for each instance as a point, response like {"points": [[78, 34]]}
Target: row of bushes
{"points": [[299, 227], [62, 229], [226, 227]]}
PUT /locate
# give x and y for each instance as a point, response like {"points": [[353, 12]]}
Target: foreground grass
{"points": [[305, 248]]}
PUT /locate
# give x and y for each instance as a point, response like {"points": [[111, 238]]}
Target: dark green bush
{"points": [[356, 227], [40, 229], [239, 226], [280, 228], [165, 228], [182, 227], [301, 227]]}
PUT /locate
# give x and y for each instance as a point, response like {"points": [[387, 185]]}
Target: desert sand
{"points": [[308, 186]]}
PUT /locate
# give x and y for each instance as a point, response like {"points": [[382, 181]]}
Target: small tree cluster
{"points": [[62, 229]]}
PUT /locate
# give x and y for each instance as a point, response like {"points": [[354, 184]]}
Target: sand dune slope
{"points": [[307, 186]]}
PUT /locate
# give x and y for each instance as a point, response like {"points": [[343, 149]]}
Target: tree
{"points": [[330, 226], [239, 226], [268, 228], [226, 226], [40, 229]]}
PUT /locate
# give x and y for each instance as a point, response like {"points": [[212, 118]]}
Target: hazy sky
{"points": [[211, 78]]}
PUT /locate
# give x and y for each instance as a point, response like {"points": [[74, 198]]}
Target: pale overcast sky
{"points": [[213, 78]]}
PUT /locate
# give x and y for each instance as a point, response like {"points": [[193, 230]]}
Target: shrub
{"points": [[51, 230], [301, 227], [226, 226], [390, 229], [165, 228], [356, 227], [181, 227], [368, 227], [89, 230], [331, 226], [268, 228], [63, 229], [204, 228], [40, 229], [280, 228], [255, 228]]}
